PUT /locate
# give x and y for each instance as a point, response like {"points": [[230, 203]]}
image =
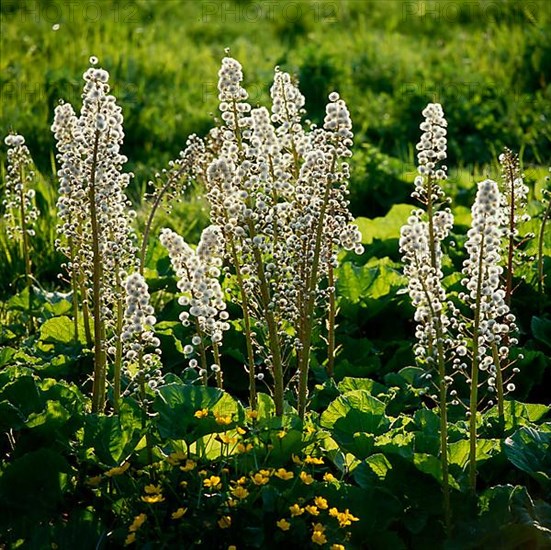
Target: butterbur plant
{"points": [[278, 192], [95, 219], [20, 209], [198, 273], [490, 320], [421, 246]]}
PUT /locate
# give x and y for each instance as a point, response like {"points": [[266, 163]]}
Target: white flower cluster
{"points": [[431, 151], [198, 273], [482, 270], [425, 285], [20, 209], [141, 346], [279, 194], [92, 202], [514, 193]]}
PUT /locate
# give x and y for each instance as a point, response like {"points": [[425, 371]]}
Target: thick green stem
{"points": [[25, 243], [499, 382], [473, 402], [74, 288], [216, 354], [118, 346], [331, 320], [85, 308], [307, 315], [98, 391]]}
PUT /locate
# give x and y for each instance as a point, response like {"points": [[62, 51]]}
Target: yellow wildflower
{"points": [[241, 431], [313, 460], [224, 522], [179, 513], [153, 499], [281, 434], [231, 503], [242, 448], [330, 478], [176, 457], [201, 413], [321, 503], [183, 484], [318, 536], [283, 524], [232, 547], [188, 466], [310, 430], [152, 489], [337, 547], [240, 492], [213, 482], [93, 481], [307, 479], [137, 523], [282, 473], [346, 518], [241, 481], [252, 415], [118, 470], [222, 420], [312, 510], [202, 473], [296, 459], [260, 479], [296, 510], [130, 539], [333, 512]]}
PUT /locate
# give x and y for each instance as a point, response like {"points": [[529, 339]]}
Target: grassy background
{"points": [[487, 62]]}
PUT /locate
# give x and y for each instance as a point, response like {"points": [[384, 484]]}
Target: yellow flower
{"points": [[201, 413], [313, 460], [189, 465], [137, 523], [241, 431], [337, 547], [296, 459], [231, 503], [321, 503], [260, 479], [202, 473], [241, 481], [224, 522], [118, 470], [330, 478], [312, 510], [176, 457], [282, 473], [307, 479], [296, 510], [130, 539], [346, 518], [232, 547], [310, 430], [224, 438], [281, 434], [93, 481], [333, 512], [252, 415], [242, 448], [153, 499], [214, 482], [222, 420], [240, 492], [318, 537], [152, 489], [179, 513], [283, 524], [183, 484]]}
